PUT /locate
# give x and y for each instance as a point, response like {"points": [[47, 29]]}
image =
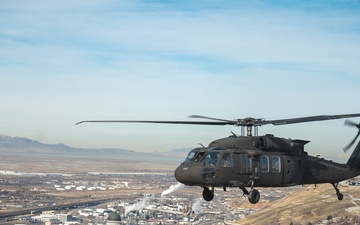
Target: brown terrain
{"points": [[58, 164], [309, 205]]}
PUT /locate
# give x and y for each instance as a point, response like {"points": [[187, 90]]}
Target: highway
{"points": [[53, 207]]}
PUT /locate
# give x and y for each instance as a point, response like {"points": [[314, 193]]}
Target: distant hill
{"points": [[27, 147], [176, 153]]}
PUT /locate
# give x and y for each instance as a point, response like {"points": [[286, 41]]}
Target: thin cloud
{"points": [[160, 59]]}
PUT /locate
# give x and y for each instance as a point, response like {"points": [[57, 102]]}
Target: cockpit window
{"points": [[211, 158], [198, 157], [190, 156], [227, 160]]}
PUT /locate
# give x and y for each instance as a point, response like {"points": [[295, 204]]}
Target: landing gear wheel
{"points": [[340, 196], [254, 196], [208, 195]]}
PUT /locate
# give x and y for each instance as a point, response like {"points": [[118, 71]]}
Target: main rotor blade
{"points": [[209, 118], [306, 119], [154, 121], [240, 122]]}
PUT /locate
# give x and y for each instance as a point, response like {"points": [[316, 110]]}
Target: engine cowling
{"points": [[271, 143]]}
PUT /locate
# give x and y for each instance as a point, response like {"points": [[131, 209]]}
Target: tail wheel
{"points": [[340, 196]]}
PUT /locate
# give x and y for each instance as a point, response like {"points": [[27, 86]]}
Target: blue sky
{"points": [[66, 61]]}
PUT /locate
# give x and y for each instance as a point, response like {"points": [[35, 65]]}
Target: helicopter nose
{"points": [[187, 175], [179, 175]]}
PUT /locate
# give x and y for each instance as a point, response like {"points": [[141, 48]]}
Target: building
{"points": [[113, 219]]}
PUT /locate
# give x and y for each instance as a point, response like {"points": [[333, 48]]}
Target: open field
{"points": [[40, 164]]}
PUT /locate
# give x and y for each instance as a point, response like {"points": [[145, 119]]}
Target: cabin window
{"points": [[264, 163], [275, 164], [249, 165], [211, 158], [227, 160], [246, 164], [243, 163]]}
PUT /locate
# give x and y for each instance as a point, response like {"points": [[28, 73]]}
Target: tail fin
{"points": [[354, 160]]}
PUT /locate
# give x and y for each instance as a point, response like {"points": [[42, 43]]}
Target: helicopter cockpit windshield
{"points": [[191, 155]]}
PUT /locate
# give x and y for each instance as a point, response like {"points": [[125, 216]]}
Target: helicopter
{"points": [[250, 161]]}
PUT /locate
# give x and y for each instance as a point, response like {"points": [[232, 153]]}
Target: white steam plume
{"points": [[172, 188], [137, 206], [196, 207]]}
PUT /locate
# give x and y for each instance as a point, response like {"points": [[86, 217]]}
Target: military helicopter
{"points": [[249, 161]]}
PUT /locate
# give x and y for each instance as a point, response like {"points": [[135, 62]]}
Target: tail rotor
{"points": [[352, 124]]}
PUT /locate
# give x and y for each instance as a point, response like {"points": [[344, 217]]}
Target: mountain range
{"points": [[26, 147]]}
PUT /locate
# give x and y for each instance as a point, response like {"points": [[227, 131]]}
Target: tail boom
{"points": [[354, 160]]}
